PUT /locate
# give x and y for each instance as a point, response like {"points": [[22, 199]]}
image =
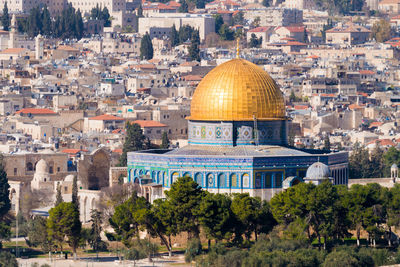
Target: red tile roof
{"points": [[36, 111], [106, 117], [73, 150], [12, 51], [367, 72], [118, 150], [382, 142], [260, 29], [145, 124], [375, 124]]}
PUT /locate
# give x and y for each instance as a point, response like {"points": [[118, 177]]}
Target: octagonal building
{"points": [[238, 140]]}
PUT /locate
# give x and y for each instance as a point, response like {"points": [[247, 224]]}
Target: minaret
{"points": [[13, 34], [39, 46]]}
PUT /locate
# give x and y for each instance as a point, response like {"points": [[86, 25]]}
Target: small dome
{"points": [[318, 170], [394, 167], [69, 178], [42, 167]]}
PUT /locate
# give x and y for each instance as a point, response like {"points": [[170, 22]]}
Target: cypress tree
{"points": [[5, 19], [184, 8], [105, 15], [174, 36], [59, 198], [46, 22], [146, 47], [134, 141], [75, 200], [78, 25], [194, 51], [165, 141], [5, 203]]}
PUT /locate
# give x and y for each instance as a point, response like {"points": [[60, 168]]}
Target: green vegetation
{"points": [[254, 41], [5, 18], [146, 47], [376, 164], [164, 141], [343, 7], [194, 50], [67, 25], [101, 14], [134, 141], [381, 31]]}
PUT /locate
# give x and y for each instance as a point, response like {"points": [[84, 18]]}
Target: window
{"points": [[234, 180], [278, 180], [15, 171], [267, 180]]}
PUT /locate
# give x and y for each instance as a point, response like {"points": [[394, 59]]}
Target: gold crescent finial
{"points": [[237, 48]]}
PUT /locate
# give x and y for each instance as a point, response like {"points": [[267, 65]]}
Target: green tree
{"points": [[325, 27], [184, 198], [78, 25], [46, 22], [266, 3], [381, 31], [359, 162], [376, 162], [174, 36], [327, 142], [216, 217], [243, 206], [5, 203], [146, 47], [164, 141], [59, 198], [165, 222], [5, 18], [134, 141], [194, 51], [184, 8], [238, 18], [37, 233], [106, 17], [219, 21], [95, 230], [75, 199], [392, 156], [225, 33], [63, 225], [254, 41], [7, 259]]}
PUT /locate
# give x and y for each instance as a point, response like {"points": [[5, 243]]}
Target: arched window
{"points": [[233, 181], [29, 166], [198, 178], [186, 174], [246, 180], [174, 176], [221, 180], [210, 180]]}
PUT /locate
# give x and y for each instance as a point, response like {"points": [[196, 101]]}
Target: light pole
{"points": [[16, 237]]}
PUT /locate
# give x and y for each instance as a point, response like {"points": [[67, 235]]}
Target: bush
{"points": [[193, 249], [45, 265], [7, 259], [133, 255], [378, 256]]}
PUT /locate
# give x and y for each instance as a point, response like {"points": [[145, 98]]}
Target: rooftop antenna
{"points": [[237, 48]]}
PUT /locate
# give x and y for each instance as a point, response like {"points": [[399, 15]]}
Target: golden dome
{"points": [[237, 90]]}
